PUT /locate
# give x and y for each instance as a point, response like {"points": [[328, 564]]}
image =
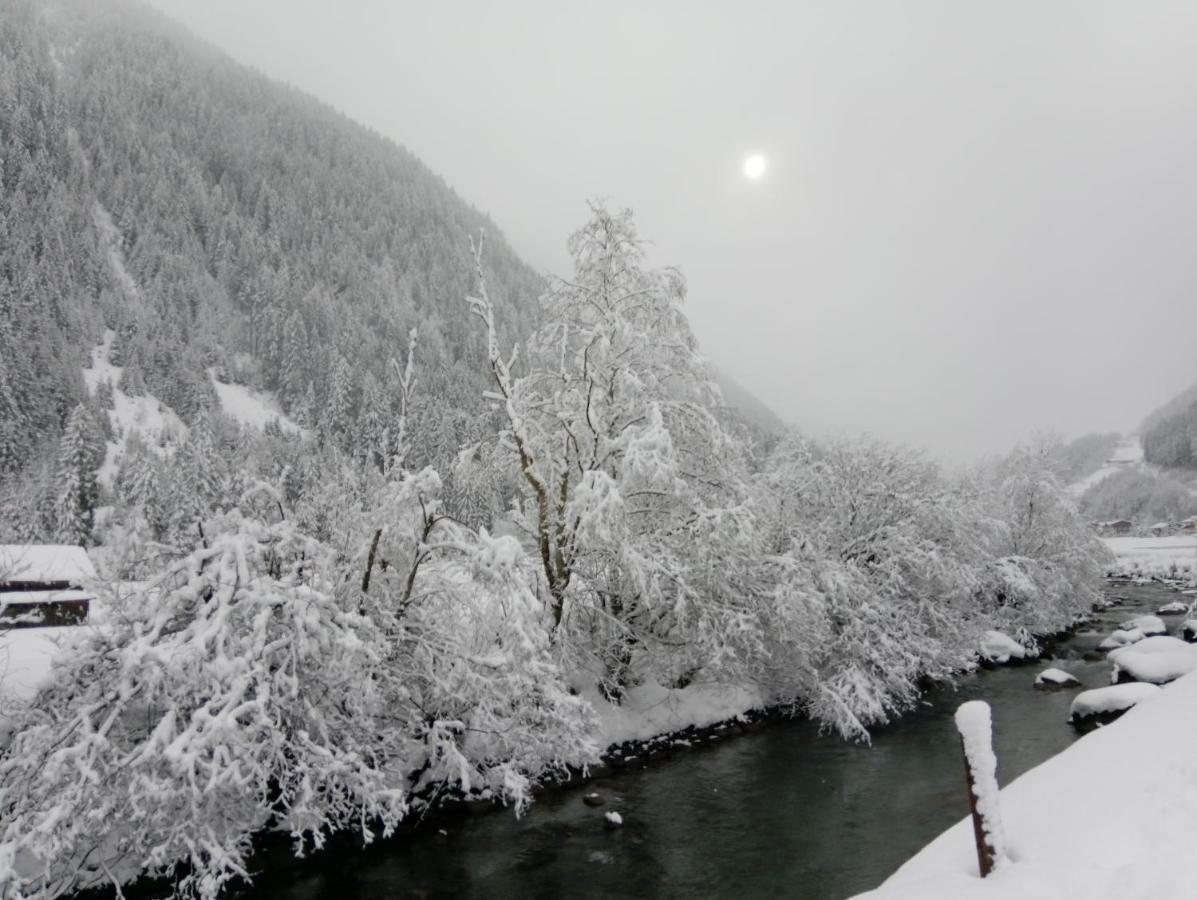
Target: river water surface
{"points": [[783, 812]]}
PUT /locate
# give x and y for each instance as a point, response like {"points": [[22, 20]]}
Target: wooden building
{"points": [[44, 584]]}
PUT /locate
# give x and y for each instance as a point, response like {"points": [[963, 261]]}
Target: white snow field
{"points": [[249, 407], [25, 658], [1113, 817], [1155, 556]]}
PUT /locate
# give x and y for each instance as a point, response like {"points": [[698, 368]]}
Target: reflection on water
{"points": [[783, 812]]}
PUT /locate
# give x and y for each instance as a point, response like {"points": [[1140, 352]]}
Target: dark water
{"points": [[779, 813]]}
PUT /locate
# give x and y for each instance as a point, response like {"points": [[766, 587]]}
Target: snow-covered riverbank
{"points": [[1155, 557], [1113, 816]]}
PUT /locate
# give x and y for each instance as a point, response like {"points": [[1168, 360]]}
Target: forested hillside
{"points": [[217, 221], [1170, 433]]}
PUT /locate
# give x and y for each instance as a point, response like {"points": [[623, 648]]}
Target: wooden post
{"points": [[980, 768]]}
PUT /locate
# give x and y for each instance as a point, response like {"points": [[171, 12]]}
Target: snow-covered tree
{"points": [[613, 431], [893, 557], [231, 695], [78, 491], [1047, 561]]}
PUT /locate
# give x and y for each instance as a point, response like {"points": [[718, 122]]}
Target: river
{"points": [[783, 812]]}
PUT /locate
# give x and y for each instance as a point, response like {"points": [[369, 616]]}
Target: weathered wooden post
{"points": [[974, 723]]}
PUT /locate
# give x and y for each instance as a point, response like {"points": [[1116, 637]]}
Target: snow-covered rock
{"points": [[1175, 608], [1189, 630], [1121, 638], [1114, 699], [1053, 679], [613, 819], [1149, 625], [1001, 648], [1157, 660]]}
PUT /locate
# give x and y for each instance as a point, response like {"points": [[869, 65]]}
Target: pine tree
{"points": [[292, 371], [338, 411], [79, 492]]}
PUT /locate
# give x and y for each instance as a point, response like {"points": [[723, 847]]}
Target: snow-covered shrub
{"points": [[1046, 564], [886, 548], [231, 694], [472, 683], [263, 682]]}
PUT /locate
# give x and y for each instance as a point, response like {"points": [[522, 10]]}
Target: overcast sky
{"points": [[979, 218]]}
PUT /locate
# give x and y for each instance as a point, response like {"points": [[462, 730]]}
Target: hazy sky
{"points": [[979, 218]]}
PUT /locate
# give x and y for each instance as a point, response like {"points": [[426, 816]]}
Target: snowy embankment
{"points": [[26, 655], [1113, 816], [1155, 557], [651, 710]]}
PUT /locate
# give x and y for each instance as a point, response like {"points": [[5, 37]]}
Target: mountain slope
{"points": [[1170, 432], [216, 220]]}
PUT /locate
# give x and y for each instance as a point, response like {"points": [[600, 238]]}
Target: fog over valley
{"points": [[976, 218], [562, 450]]}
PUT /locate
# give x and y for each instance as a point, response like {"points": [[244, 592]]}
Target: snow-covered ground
{"points": [[25, 658], [1155, 556], [1113, 816], [650, 710], [249, 407], [1128, 454], [160, 427]]}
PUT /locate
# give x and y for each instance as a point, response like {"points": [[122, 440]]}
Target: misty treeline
{"points": [[1170, 433], [471, 550], [1144, 496], [335, 668]]}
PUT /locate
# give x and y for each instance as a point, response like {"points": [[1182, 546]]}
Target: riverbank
{"points": [[1173, 557], [768, 813], [717, 787], [1114, 816]]}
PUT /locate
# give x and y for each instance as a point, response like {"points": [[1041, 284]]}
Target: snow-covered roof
{"points": [[68, 595], [45, 562]]}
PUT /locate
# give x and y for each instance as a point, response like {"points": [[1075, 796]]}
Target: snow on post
{"points": [[980, 764]]}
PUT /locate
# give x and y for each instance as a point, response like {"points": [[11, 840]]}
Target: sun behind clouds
{"points": [[755, 165]]}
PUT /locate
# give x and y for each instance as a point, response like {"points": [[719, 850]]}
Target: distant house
{"points": [[1118, 526], [1189, 525], [1159, 529], [42, 584]]}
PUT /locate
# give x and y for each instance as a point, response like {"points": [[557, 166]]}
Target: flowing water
{"points": [[783, 812]]}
